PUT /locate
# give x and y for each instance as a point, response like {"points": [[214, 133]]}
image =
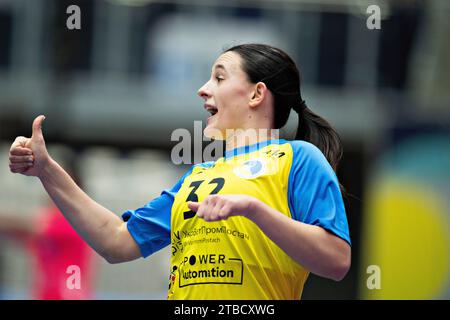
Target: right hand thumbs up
{"points": [[29, 156], [37, 129]]}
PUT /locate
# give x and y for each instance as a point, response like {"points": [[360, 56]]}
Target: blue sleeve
{"points": [[150, 225], [313, 192]]}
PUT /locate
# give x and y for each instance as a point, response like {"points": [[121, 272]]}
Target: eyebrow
{"points": [[220, 66]]}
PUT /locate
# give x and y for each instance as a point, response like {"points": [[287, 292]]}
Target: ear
{"points": [[258, 95]]}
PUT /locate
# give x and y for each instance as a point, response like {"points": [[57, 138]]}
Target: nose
{"points": [[204, 92]]}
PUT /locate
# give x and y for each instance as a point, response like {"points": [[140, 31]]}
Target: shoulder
{"points": [[200, 166], [207, 164], [306, 152], [195, 168], [309, 161]]}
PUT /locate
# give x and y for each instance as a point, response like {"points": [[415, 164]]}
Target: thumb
{"points": [[37, 127], [193, 205]]}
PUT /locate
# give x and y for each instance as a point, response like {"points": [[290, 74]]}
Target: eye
{"points": [[219, 79]]}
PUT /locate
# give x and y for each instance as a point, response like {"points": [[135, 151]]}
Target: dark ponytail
{"points": [[318, 131], [264, 63]]}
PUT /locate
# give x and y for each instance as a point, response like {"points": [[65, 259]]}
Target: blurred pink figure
{"points": [[62, 263]]}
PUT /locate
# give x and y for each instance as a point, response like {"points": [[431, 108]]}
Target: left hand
{"points": [[221, 207]]}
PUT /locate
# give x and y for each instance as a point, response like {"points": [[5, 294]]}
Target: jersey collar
{"points": [[251, 148]]}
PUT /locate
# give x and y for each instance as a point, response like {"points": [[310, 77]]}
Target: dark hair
{"points": [[264, 63]]}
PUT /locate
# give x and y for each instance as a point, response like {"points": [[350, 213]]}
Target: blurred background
{"points": [[114, 91]]}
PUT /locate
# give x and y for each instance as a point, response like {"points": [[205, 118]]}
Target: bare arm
{"points": [[313, 247], [318, 250], [105, 232]]}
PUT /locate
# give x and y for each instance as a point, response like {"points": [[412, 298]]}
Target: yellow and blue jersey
{"points": [[233, 258]]}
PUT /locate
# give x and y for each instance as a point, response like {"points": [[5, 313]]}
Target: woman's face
{"points": [[226, 96]]}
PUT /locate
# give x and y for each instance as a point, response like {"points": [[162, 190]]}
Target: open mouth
{"points": [[211, 109]]}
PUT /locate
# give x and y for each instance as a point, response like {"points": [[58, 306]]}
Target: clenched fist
{"points": [[29, 156]]}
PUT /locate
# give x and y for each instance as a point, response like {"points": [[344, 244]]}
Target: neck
{"points": [[243, 137]]}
